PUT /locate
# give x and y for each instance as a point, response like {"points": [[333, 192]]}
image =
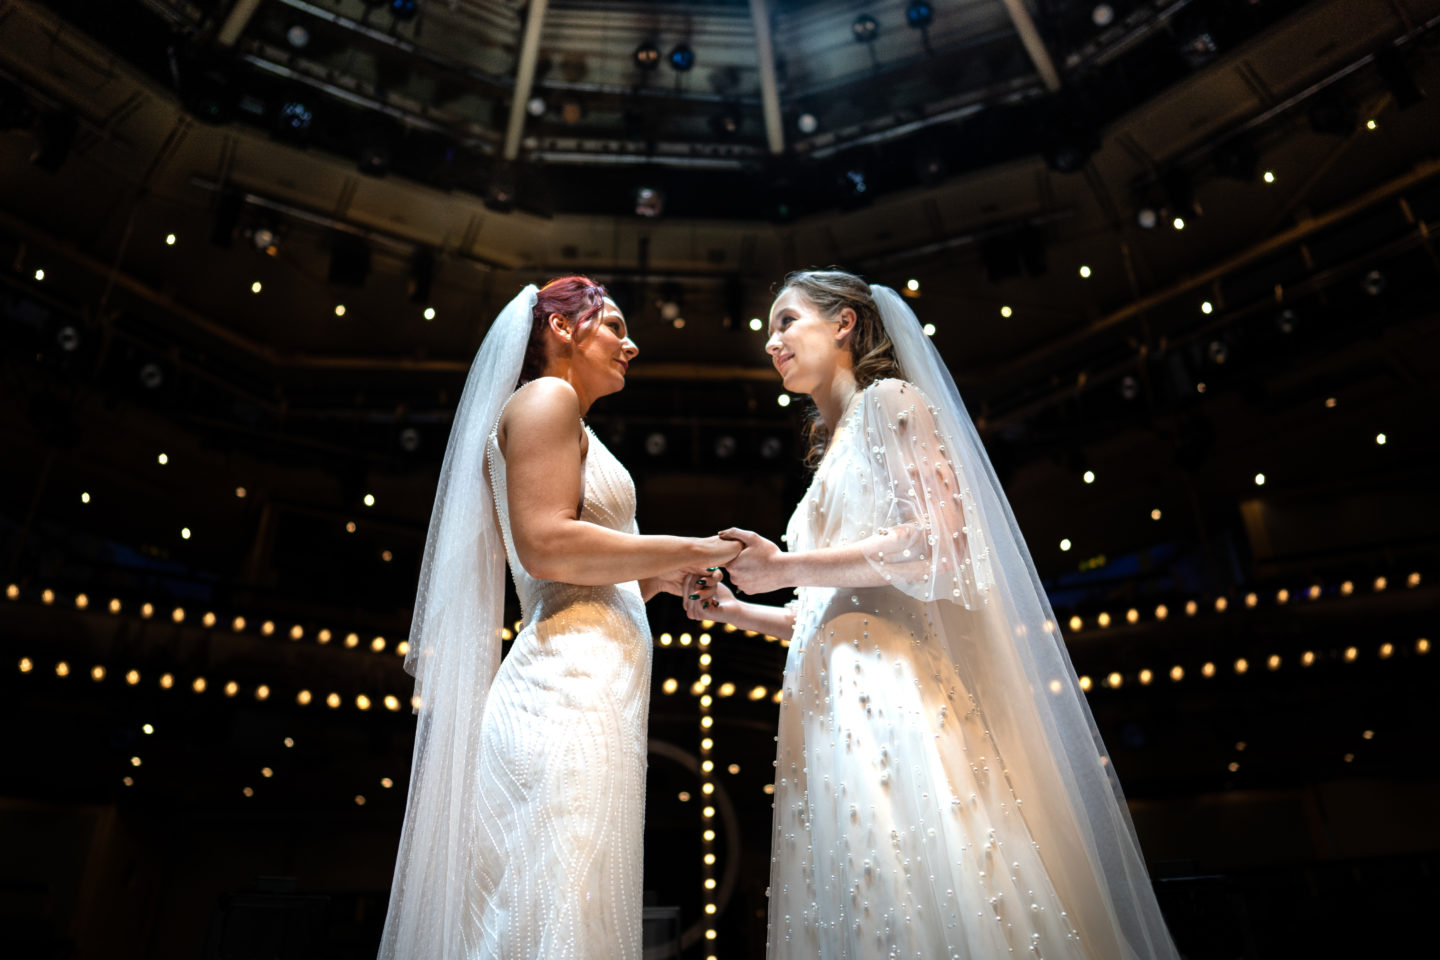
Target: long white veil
{"points": [[454, 652], [1012, 657]]}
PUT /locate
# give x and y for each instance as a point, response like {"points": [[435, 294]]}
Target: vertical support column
{"points": [[524, 76], [769, 91], [707, 795], [236, 22], [1034, 46]]}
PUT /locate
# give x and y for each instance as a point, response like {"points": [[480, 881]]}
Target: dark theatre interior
{"points": [[1179, 255]]}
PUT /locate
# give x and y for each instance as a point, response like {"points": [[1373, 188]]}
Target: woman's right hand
{"points": [[707, 598], [715, 552]]}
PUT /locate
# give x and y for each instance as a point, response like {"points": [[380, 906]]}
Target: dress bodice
{"points": [[607, 499]]}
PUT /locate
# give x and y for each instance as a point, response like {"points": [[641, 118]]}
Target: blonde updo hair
{"points": [[831, 291]]}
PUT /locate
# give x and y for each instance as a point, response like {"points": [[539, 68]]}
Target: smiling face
{"points": [[601, 357], [806, 347]]}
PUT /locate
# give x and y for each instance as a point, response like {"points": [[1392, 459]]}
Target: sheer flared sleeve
{"points": [[928, 541]]}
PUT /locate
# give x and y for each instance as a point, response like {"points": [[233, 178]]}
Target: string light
{"points": [[169, 239], [339, 309], [429, 313], [1084, 271], [1006, 312], [783, 399]]}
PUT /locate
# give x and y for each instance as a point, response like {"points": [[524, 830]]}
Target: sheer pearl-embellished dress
{"points": [[561, 782], [897, 833]]}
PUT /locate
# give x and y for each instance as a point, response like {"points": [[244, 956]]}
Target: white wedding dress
{"points": [[556, 872], [897, 831]]}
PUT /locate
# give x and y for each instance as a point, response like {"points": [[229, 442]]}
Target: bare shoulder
{"points": [[546, 408]]}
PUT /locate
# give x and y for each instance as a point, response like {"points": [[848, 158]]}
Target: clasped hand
{"points": [[759, 568]]}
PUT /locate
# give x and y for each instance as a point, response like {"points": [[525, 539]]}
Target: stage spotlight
{"points": [[264, 240], [647, 56], [726, 123], [572, 111], [853, 182], [649, 202], [500, 192], [919, 14], [374, 154], [297, 36], [1374, 283], [806, 123], [152, 377], [1103, 15], [682, 58], [865, 28], [293, 120], [404, 9], [1199, 48]]}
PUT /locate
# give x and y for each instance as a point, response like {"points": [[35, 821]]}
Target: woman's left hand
{"points": [[672, 583], [761, 567]]}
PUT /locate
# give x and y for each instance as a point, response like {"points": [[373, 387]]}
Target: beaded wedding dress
{"points": [[560, 780], [902, 828]]}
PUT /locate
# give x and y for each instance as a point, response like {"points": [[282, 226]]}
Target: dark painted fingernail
{"points": [[712, 569], [701, 582], [694, 596]]}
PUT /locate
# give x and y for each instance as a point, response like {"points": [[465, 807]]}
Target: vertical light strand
{"points": [[707, 796]]}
